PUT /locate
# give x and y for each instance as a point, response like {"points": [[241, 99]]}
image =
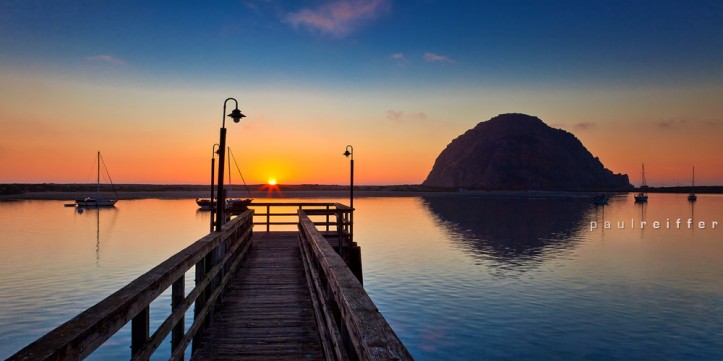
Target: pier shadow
{"points": [[511, 231]]}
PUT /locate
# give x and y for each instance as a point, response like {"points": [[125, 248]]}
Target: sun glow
{"points": [[272, 182]]}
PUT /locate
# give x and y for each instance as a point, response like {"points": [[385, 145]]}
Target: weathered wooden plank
{"points": [[267, 312]]}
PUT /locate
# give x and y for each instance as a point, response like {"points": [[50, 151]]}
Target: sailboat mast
{"points": [[644, 184], [97, 191]]}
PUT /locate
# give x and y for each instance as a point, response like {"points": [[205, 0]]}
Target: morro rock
{"points": [[520, 152]]}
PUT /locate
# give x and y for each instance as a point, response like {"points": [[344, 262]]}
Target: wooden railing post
{"points": [[268, 218], [178, 294], [200, 303], [140, 330]]}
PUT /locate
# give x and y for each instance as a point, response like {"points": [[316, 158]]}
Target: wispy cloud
{"points": [[583, 126], [104, 58], [670, 123], [399, 116], [436, 58], [399, 58], [394, 114], [338, 18]]}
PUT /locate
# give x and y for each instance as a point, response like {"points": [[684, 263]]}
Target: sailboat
{"points": [[642, 197], [97, 201], [692, 197]]}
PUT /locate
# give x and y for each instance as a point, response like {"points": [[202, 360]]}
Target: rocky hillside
{"points": [[520, 152]]}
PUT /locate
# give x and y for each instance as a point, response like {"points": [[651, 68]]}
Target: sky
{"points": [[144, 82]]}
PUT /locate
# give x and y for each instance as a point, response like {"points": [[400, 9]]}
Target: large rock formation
{"points": [[520, 152]]}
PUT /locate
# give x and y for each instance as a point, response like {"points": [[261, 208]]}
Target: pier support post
{"points": [[140, 330], [178, 291]]}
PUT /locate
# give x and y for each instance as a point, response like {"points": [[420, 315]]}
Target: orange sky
{"points": [[52, 126], [145, 83]]}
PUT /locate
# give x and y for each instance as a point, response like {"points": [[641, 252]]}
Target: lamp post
{"points": [[213, 173], [349, 153], [220, 197]]}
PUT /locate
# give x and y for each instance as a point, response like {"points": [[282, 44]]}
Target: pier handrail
{"points": [[351, 326], [268, 211], [215, 257]]}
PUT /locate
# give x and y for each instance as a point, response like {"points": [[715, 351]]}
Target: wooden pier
{"points": [[268, 295]]}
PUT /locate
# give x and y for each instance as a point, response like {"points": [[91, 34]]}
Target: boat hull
{"points": [[206, 204], [91, 202], [641, 198]]}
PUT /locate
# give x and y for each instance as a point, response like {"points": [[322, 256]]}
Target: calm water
{"points": [[459, 278]]}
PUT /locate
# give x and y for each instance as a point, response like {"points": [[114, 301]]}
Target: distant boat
{"points": [[97, 201], [692, 197], [601, 199], [238, 205], [205, 203], [642, 197]]}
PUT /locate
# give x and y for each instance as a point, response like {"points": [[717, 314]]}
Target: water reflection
{"points": [[107, 211], [511, 230]]}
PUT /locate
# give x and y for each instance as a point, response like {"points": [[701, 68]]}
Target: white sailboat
{"points": [[692, 197], [642, 197], [97, 201]]}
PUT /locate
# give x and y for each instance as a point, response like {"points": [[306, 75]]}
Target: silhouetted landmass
{"points": [[520, 152], [129, 191], [137, 191]]}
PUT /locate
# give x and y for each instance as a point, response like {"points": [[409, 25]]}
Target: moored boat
{"points": [[205, 203], [642, 197], [692, 197], [97, 201], [601, 199]]}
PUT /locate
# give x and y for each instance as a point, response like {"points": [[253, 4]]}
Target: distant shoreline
{"points": [[51, 191]]}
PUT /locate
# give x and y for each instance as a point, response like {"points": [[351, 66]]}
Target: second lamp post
{"points": [[350, 153]]}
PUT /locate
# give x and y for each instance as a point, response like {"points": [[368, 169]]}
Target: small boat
{"points": [[642, 197], [238, 205], [692, 197], [97, 201], [601, 199], [206, 204]]}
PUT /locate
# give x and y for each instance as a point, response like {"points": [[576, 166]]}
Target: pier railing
{"points": [[331, 217], [215, 258], [351, 326]]}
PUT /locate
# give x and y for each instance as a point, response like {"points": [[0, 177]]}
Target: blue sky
{"points": [[426, 70], [381, 42]]}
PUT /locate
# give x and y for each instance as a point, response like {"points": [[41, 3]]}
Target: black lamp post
{"points": [[350, 153], [213, 173], [220, 196]]}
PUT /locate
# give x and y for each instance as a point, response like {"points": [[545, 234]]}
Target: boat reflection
{"points": [[511, 230]]}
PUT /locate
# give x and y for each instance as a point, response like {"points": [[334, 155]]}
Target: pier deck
{"points": [[267, 312]]}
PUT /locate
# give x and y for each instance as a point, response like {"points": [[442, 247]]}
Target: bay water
{"points": [[463, 277]]}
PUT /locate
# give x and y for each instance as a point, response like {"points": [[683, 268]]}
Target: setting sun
{"points": [[272, 182]]}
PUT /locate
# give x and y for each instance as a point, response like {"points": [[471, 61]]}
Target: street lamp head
{"points": [[236, 115], [347, 154], [349, 151]]}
